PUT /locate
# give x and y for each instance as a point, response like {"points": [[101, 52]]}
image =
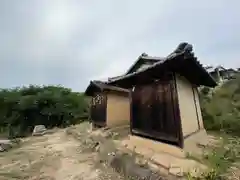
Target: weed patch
{"points": [[219, 158]]}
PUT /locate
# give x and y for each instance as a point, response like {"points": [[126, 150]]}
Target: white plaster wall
{"points": [[188, 113]]}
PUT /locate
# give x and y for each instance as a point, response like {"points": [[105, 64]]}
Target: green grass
{"points": [[219, 158]]}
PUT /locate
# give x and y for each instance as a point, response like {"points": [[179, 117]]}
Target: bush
{"points": [[222, 110], [23, 108]]}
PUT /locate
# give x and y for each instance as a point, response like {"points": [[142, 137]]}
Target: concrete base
{"points": [[155, 146], [165, 156], [192, 143]]}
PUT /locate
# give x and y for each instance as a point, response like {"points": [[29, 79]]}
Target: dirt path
{"points": [[53, 156]]}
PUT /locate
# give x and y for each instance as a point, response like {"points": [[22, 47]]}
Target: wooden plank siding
{"points": [[155, 111]]}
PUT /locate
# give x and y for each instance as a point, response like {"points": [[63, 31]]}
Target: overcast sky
{"points": [[70, 42]]}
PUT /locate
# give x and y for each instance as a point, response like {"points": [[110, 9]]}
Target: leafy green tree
{"points": [[23, 108]]}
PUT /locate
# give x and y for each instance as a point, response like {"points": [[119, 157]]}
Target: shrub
{"points": [[222, 110], [23, 108]]}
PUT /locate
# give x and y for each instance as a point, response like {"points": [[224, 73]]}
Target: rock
{"points": [[39, 130], [1, 149], [97, 147], [5, 145]]}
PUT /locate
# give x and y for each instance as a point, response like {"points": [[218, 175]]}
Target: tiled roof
{"points": [[170, 60], [99, 85]]}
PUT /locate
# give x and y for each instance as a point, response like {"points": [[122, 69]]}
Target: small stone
{"points": [[5, 145], [39, 130], [97, 148]]}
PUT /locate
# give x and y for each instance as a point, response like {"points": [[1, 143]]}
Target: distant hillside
{"points": [[221, 110]]}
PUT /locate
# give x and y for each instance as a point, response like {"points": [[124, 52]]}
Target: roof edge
{"points": [[102, 86], [185, 50]]}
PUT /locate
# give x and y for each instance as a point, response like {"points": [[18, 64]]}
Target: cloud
{"points": [[71, 42]]}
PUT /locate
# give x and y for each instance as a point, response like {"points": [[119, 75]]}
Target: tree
{"points": [[25, 107]]}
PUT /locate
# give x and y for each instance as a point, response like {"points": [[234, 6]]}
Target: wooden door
{"points": [[141, 107], [98, 109], [155, 111]]}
